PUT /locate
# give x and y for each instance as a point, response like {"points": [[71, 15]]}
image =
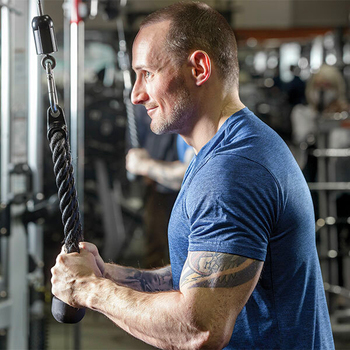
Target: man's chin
{"points": [[158, 129], [163, 131], [165, 128]]}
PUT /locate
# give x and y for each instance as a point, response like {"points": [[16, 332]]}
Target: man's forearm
{"points": [[160, 319], [140, 280]]}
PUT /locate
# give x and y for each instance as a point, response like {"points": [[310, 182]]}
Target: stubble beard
{"points": [[179, 117]]}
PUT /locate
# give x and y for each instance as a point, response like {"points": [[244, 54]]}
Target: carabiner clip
{"points": [[49, 63], [56, 122]]}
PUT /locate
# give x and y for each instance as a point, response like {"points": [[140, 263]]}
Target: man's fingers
{"points": [[91, 248]]}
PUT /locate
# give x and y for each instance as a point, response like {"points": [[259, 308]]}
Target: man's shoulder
{"points": [[225, 172]]}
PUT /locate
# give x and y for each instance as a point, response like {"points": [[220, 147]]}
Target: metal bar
{"points": [[5, 136], [330, 152], [36, 118], [77, 47], [323, 208], [16, 109], [18, 286], [124, 63], [93, 8], [337, 290], [77, 101], [5, 102], [11, 9], [36, 121], [329, 186], [325, 125], [66, 63]]}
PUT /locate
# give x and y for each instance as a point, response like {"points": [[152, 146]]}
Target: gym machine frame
{"points": [[14, 299], [328, 188]]}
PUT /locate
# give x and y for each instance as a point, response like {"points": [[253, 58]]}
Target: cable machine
{"points": [[21, 279], [22, 199], [57, 134]]}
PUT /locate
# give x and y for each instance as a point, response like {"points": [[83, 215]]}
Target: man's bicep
{"points": [[228, 279]]}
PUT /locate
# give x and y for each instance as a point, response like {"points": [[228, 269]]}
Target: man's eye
{"points": [[147, 74]]}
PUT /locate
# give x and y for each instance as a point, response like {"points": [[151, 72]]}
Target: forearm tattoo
{"points": [[148, 280], [155, 282], [217, 270]]}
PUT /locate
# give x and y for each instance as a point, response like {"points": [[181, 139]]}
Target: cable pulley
{"points": [[44, 34]]}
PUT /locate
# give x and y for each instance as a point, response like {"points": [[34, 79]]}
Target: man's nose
{"points": [[138, 95]]}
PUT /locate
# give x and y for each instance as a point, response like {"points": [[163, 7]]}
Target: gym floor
{"points": [[97, 333]]}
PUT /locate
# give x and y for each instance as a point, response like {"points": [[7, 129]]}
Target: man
{"points": [[166, 173], [163, 163], [244, 269]]}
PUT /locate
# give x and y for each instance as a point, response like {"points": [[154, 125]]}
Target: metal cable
{"points": [[67, 193]]}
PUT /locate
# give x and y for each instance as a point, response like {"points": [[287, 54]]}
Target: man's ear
{"points": [[201, 66]]}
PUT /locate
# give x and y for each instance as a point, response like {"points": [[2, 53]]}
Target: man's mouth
{"points": [[151, 109]]}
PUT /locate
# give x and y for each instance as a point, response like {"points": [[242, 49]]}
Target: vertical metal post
{"points": [[77, 92], [77, 46], [5, 138], [5, 302], [5, 102], [323, 211], [327, 207], [13, 150], [66, 59], [36, 122], [18, 258]]}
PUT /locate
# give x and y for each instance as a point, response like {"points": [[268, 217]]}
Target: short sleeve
{"points": [[233, 206]]}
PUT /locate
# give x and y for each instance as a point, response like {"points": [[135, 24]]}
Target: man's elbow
{"points": [[214, 338], [211, 328], [215, 341]]}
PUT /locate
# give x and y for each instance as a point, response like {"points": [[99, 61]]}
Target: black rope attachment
{"points": [[57, 135]]}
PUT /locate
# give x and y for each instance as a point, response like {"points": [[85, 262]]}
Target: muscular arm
{"points": [[201, 315], [168, 174], [155, 280], [141, 280]]}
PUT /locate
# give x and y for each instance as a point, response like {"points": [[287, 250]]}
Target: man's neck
{"points": [[209, 124]]}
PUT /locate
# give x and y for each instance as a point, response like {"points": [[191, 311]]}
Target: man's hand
{"points": [[71, 273], [138, 161], [91, 248]]}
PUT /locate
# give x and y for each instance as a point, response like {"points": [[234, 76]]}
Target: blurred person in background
{"points": [[325, 94], [162, 162]]}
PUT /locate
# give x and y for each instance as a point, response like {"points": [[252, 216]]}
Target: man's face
{"points": [[160, 84]]}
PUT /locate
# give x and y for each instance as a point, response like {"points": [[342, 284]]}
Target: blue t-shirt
{"points": [[244, 194]]}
